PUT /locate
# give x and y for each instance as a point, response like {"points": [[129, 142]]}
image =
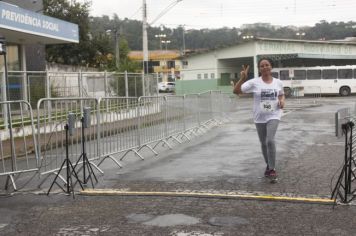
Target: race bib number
{"points": [[269, 98], [268, 106]]}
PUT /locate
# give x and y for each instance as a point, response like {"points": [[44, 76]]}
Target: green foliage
{"points": [[97, 48], [214, 38], [78, 13]]}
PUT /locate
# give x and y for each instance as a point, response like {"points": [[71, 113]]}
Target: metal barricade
{"points": [[119, 127], [205, 110], [216, 106], [52, 117], [345, 187], [306, 95], [228, 105], [152, 122], [176, 118], [192, 114], [314, 93], [18, 147]]}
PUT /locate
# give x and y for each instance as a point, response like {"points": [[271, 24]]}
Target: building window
{"points": [[206, 76], [199, 76], [212, 76], [171, 64]]}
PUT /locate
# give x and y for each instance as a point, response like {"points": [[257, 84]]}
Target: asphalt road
{"points": [[225, 161]]}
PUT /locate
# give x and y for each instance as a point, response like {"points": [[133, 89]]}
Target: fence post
{"points": [[25, 87], [157, 89], [143, 84], [48, 86], [126, 85], [198, 108], [80, 84], [105, 84], [98, 124], [184, 114], [165, 116], [4, 97], [211, 104], [138, 113]]}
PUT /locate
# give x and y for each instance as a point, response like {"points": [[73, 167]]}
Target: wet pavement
{"points": [[224, 161]]}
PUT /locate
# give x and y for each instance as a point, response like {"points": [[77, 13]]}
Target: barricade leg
{"points": [[134, 151], [11, 178], [112, 158]]}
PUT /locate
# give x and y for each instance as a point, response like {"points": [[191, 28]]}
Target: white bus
{"points": [[321, 79]]}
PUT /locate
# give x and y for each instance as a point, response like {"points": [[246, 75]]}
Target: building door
{"points": [[225, 79]]}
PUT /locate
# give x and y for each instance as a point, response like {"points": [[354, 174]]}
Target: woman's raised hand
{"points": [[244, 72]]}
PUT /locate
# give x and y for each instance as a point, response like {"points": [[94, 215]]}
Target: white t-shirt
{"points": [[265, 98]]}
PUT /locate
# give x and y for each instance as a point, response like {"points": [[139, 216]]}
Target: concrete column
{"points": [[24, 75], [255, 66]]}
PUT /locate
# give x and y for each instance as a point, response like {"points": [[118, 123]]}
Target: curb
{"points": [[117, 192]]}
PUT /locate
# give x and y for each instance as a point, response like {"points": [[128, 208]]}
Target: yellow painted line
{"points": [[113, 192]]}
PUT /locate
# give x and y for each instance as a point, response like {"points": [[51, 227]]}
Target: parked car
{"points": [[166, 86]]}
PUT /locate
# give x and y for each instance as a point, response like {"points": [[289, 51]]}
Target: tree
{"points": [[78, 13], [125, 63]]}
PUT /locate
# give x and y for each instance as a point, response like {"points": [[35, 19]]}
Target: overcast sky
{"points": [[230, 13]]}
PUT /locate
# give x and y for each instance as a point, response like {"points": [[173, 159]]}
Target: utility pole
{"points": [[183, 34], [144, 40], [144, 30]]}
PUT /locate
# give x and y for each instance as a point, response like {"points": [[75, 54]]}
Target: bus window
{"points": [[344, 73], [300, 74], [329, 74], [284, 75], [314, 74], [354, 73], [275, 75]]}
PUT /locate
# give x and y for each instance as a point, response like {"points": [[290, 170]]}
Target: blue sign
{"points": [[19, 19]]}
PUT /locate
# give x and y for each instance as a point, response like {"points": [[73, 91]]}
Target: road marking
{"points": [[117, 192]]}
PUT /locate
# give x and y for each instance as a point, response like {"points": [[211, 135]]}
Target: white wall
{"points": [[200, 64], [212, 63], [218, 61]]}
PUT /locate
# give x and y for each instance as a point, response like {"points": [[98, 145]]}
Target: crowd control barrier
{"points": [[18, 147], [100, 129], [118, 127], [53, 114]]}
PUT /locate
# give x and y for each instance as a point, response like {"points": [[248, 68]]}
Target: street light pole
{"points": [[166, 42], [300, 34], [144, 30], [160, 36], [116, 46], [183, 34], [117, 49]]}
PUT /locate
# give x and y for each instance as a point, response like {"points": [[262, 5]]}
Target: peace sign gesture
{"points": [[244, 71], [243, 78]]}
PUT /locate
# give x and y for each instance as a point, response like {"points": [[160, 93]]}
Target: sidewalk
{"points": [[226, 160]]}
